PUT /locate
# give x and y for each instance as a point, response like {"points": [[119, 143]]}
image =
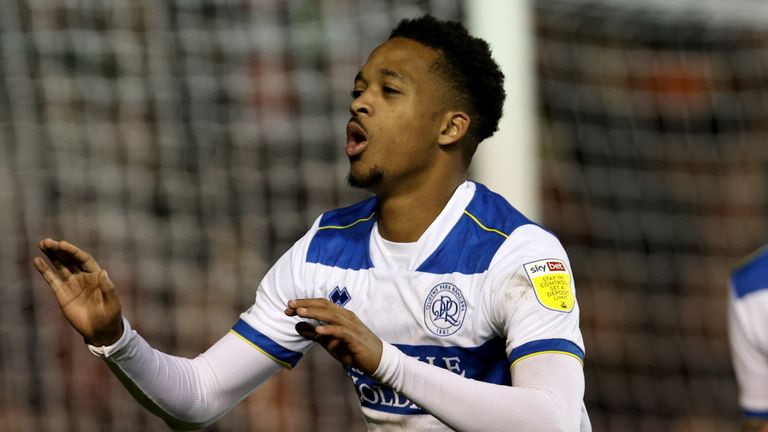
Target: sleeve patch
{"points": [[552, 284]]}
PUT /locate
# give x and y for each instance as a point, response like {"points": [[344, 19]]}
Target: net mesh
{"points": [[186, 144], [655, 174]]}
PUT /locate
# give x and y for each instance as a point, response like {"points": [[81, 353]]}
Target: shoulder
{"points": [[485, 224], [491, 212], [494, 213], [340, 219], [524, 240], [340, 237], [751, 275]]}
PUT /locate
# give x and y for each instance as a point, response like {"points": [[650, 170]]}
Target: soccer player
{"points": [[449, 309], [748, 328]]}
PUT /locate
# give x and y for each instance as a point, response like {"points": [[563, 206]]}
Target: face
{"points": [[396, 117]]}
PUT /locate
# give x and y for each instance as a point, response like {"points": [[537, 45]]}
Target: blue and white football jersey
{"points": [[748, 328], [482, 288]]}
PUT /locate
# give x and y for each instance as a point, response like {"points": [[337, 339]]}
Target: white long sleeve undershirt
{"points": [[193, 393], [547, 393], [187, 393]]}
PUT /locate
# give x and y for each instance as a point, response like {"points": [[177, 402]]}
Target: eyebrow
{"points": [[383, 72]]}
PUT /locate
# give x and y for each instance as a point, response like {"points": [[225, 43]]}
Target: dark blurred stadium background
{"points": [[187, 144]]}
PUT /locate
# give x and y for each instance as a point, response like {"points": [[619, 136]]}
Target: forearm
{"points": [[188, 393], [553, 403]]}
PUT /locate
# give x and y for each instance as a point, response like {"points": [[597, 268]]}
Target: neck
{"points": [[404, 216]]}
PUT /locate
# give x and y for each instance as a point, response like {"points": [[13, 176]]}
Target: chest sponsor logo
{"points": [[552, 284], [340, 296], [444, 309], [382, 398]]}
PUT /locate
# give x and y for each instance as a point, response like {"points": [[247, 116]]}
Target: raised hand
{"points": [[343, 335], [86, 296]]}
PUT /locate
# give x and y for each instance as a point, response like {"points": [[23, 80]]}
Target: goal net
{"points": [[654, 164], [187, 144]]}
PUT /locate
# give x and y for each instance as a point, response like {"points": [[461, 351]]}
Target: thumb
{"points": [[107, 287]]}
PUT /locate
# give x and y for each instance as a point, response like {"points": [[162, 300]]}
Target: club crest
{"points": [[444, 309]]}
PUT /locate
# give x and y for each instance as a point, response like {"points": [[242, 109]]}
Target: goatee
{"points": [[371, 178]]}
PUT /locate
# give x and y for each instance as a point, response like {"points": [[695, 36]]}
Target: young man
{"points": [[748, 328], [447, 306]]}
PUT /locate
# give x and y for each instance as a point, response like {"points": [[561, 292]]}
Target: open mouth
{"points": [[357, 138]]}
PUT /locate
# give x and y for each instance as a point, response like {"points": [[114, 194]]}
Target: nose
{"points": [[360, 105]]}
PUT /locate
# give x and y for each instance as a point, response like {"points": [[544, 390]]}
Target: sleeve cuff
{"points": [[389, 366], [546, 346], [107, 350]]}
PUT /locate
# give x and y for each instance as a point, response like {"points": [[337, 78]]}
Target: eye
{"points": [[356, 93], [390, 90]]}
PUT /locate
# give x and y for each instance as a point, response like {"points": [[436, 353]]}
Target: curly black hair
{"points": [[475, 80]]}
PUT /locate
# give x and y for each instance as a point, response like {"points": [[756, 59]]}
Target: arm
{"points": [[546, 396], [188, 393]]}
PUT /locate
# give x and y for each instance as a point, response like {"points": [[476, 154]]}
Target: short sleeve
{"points": [[748, 331], [265, 325], [532, 296]]}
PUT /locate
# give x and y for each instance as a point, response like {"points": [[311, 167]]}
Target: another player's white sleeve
{"points": [[546, 396], [748, 328], [188, 393]]}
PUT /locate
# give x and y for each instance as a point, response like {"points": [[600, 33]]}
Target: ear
{"points": [[454, 127]]}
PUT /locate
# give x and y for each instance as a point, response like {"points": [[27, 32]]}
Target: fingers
{"points": [[306, 330], [49, 275], [107, 287], [83, 258], [335, 321], [340, 333], [315, 333], [68, 258], [319, 309], [336, 332], [50, 250]]}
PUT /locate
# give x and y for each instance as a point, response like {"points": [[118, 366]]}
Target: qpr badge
{"points": [[444, 309]]}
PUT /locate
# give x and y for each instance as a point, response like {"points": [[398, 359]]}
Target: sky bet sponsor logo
{"points": [[539, 267], [555, 266]]}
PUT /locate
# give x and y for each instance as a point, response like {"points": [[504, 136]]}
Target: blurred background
{"points": [[187, 145]]}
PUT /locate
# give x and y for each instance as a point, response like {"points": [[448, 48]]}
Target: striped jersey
{"points": [[748, 328], [482, 289]]}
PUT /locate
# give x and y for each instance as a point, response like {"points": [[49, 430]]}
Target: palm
{"points": [[86, 296], [83, 303]]}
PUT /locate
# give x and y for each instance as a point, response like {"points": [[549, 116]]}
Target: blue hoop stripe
{"points": [[755, 414], [546, 346], [272, 349]]}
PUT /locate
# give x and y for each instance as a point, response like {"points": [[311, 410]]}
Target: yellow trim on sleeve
{"points": [[742, 262], [485, 227], [547, 352], [346, 226], [280, 362]]}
